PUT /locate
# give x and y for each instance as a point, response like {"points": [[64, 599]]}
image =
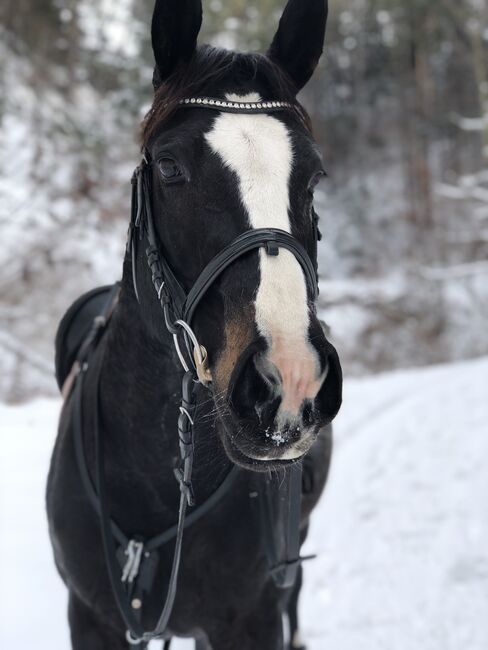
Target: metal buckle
{"points": [[201, 362], [134, 555], [200, 354]]}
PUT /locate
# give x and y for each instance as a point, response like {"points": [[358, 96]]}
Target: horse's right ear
{"points": [[174, 31]]}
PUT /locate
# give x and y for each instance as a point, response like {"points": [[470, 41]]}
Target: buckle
{"points": [[200, 355], [133, 563], [201, 363]]}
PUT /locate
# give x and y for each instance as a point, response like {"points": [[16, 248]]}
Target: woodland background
{"points": [[400, 106]]}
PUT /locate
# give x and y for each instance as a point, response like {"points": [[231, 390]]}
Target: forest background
{"points": [[400, 107]]}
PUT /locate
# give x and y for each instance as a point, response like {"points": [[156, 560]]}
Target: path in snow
{"points": [[402, 531]]}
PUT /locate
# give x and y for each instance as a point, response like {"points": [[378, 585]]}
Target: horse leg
{"points": [[261, 631], [87, 632], [202, 644], [292, 611]]}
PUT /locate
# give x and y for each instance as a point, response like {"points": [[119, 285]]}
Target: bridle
{"points": [[179, 309]]}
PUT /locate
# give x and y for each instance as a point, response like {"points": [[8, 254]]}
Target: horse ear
{"points": [[299, 41], [174, 31]]}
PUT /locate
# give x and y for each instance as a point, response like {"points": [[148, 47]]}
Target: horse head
{"points": [[276, 379]]}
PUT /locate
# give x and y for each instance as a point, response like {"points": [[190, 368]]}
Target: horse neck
{"points": [[140, 393]]}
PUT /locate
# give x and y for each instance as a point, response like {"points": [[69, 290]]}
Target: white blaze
{"points": [[259, 150]]}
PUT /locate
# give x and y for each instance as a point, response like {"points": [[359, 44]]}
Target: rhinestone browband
{"points": [[240, 107]]}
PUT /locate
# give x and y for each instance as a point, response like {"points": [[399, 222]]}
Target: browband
{"points": [[220, 104], [227, 106], [237, 106]]}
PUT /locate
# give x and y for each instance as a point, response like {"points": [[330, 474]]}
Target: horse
{"points": [[218, 296]]}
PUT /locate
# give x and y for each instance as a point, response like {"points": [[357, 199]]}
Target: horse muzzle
{"points": [[278, 403]]}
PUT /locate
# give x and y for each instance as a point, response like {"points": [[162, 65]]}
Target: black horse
{"points": [[228, 151]]}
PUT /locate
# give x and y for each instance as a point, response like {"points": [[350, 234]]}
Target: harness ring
{"points": [[184, 411], [160, 290], [132, 640]]}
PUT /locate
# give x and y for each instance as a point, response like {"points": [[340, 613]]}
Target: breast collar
{"points": [[178, 306]]}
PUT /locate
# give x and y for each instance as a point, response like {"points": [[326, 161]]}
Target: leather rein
{"points": [[139, 564]]}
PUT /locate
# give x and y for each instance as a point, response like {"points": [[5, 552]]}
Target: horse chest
{"points": [[224, 559]]}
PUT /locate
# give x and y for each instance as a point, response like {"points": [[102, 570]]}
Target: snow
{"points": [[107, 27], [472, 123], [401, 531], [59, 243], [64, 205]]}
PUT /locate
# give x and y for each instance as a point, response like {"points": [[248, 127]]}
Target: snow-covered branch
{"points": [[471, 124], [455, 272], [461, 193], [8, 342]]}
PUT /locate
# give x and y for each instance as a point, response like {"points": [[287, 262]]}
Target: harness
{"points": [[132, 565]]}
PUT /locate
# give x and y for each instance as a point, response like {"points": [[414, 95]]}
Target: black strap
{"points": [[176, 304], [110, 530], [84, 355], [281, 513], [272, 240], [168, 535], [142, 223], [81, 458], [246, 108], [107, 538], [98, 496], [198, 512]]}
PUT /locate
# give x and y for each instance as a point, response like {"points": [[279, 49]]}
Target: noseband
{"points": [[179, 310], [179, 307]]}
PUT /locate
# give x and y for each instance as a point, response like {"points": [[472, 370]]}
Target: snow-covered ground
{"points": [[402, 531]]}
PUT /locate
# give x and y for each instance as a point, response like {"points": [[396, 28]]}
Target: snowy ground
{"points": [[402, 531]]}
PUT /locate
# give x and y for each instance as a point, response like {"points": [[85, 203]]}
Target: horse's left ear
{"points": [[299, 41], [175, 28]]}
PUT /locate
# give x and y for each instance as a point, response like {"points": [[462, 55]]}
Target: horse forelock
{"points": [[216, 72]]}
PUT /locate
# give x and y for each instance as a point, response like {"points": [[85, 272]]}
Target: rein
{"points": [[140, 563]]}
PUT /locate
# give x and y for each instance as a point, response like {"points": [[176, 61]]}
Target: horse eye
{"points": [[315, 180], [170, 170]]}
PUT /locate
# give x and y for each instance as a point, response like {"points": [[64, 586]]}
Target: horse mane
{"points": [[212, 67]]}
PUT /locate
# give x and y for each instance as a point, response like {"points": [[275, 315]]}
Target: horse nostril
{"points": [[256, 391], [309, 416], [329, 399], [294, 433], [267, 371]]}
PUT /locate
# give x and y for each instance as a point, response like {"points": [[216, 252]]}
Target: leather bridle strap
{"points": [[142, 223], [97, 495], [271, 239], [177, 306], [241, 108]]}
